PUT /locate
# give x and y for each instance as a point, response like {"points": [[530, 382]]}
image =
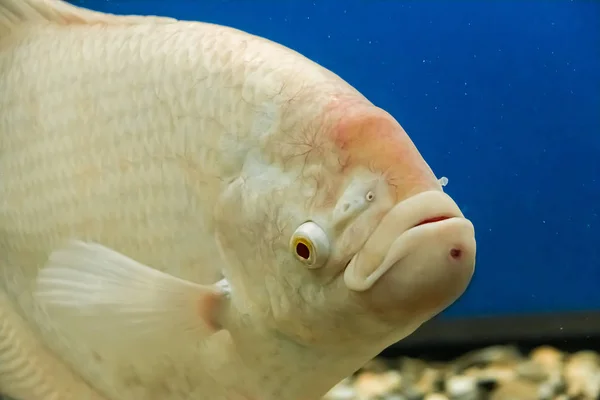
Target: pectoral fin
{"points": [[92, 288]]}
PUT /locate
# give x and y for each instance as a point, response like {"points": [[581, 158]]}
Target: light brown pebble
{"points": [[516, 390], [552, 387], [532, 371], [462, 387], [436, 396], [582, 375], [370, 385], [412, 368], [498, 373], [547, 357], [431, 380], [483, 357]]}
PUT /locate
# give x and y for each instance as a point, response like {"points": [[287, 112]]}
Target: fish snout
{"points": [[418, 261]]}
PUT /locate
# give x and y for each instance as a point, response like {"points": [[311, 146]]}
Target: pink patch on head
{"points": [[370, 137]]}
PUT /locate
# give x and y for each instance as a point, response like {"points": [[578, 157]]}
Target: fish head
{"points": [[337, 231]]}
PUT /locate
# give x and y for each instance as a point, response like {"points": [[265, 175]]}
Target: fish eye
{"points": [[310, 245]]}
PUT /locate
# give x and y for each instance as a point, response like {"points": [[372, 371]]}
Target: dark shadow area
{"points": [[447, 339]]}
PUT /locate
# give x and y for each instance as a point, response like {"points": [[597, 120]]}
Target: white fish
{"points": [[188, 211]]}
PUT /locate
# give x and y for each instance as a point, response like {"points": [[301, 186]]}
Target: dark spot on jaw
{"points": [[455, 253]]}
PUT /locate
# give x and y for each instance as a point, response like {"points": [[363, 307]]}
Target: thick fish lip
{"points": [[416, 219], [432, 220]]}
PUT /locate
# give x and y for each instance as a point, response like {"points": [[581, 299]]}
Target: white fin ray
{"points": [[88, 287]]}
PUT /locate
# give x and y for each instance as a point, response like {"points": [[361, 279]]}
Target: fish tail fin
{"points": [[16, 13]]}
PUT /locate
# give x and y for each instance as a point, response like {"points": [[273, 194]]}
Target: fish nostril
{"points": [[455, 253]]}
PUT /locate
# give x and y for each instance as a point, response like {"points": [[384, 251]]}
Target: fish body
{"points": [[247, 225]]}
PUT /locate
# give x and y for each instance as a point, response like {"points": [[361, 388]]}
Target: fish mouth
{"points": [[427, 220], [432, 220]]}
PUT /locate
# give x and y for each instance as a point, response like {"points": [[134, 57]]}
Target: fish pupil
{"points": [[302, 251]]}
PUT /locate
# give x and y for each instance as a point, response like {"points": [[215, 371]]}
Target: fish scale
{"points": [[25, 365]]}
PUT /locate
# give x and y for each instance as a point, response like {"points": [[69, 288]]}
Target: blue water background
{"points": [[502, 97]]}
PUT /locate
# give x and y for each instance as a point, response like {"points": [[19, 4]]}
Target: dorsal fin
{"points": [[14, 13]]}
